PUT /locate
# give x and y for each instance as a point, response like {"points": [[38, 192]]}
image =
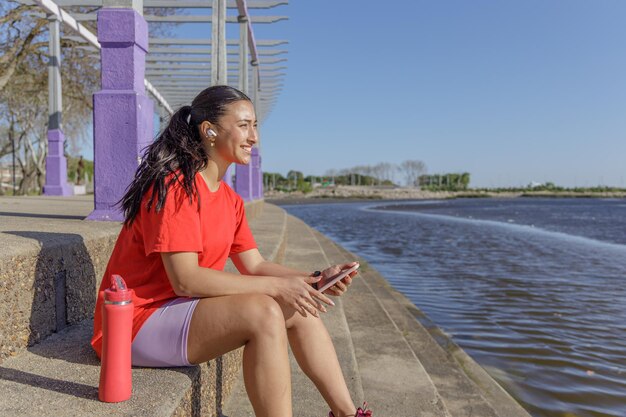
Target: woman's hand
{"points": [[342, 285], [298, 293]]}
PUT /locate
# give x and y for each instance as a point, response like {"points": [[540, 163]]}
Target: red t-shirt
{"points": [[215, 230]]}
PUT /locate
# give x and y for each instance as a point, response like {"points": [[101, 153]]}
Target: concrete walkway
{"points": [[387, 356]]}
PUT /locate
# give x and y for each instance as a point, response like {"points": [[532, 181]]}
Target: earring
{"points": [[212, 143]]}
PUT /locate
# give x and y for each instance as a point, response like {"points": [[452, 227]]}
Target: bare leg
{"points": [[313, 349], [222, 324]]}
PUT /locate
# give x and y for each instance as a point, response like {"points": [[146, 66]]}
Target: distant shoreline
{"points": [[342, 194]]}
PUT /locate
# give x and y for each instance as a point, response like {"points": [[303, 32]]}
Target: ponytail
{"points": [[177, 151]]}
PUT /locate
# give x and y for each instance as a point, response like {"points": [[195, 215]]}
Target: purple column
{"points": [[254, 162], [243, 181], [228, 177], [122, 111], [260, 195], [56, 166]]}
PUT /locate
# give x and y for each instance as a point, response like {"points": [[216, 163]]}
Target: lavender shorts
{"points": [[162, 339]]}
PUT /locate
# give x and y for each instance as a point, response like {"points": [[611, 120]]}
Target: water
{"points": [[533, 289]]}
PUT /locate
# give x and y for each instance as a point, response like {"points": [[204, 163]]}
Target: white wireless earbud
{"points": [[210, 132]]}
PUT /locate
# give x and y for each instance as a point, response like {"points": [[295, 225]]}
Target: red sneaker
{"points": [[360, 412], [363, 412]]}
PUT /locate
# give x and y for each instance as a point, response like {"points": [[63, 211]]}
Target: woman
{"points": [[182, 222]]}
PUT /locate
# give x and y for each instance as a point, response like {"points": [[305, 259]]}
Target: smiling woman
{"points": [[234, 137], [185, 147], [182, 223]]}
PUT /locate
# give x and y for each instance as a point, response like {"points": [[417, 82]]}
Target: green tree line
{"points": [[382, 174], [445, 182]]}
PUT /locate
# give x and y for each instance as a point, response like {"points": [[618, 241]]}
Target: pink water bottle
{"points": [[117, 323]]}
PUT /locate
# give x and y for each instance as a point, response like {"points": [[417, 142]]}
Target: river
{"points": [[533, 289]]}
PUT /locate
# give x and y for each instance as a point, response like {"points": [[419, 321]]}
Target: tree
{"points": [[24, 91], [274, 180], [465, 180], [385, 172], [368, 171], [411, 170], [24, 87], [445, 182], [294, 178], [297, 175]]}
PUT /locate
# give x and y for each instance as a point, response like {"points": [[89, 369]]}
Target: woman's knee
{"points": [[221, 324], [264, 315]]}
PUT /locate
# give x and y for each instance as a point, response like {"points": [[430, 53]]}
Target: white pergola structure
{"points": [[172, 70], [178, 68]]}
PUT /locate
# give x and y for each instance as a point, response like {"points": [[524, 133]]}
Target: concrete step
{"points": [[394, 381], [60, 375], [303, 252], [51, 265], [463, 385], [50, 269]]}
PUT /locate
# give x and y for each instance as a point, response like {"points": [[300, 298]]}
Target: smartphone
{"points": [[332, 280]]}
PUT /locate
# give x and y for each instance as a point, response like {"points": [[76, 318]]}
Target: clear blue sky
{"points": [[510, 91]]}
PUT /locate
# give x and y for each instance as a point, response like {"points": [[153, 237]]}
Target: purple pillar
{"points": [[122, 111], [56, 166], [260, 195], [255, 168], [243, 181], [228, 177]]}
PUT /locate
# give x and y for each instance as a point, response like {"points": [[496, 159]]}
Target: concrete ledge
{"points": [[254, 209], [60, 377], [51, 265], [49, 279]]}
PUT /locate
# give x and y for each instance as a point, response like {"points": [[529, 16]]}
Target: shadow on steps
{"points": [[60, 291]]}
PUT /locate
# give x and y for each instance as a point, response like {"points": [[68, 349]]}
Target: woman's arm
{"points": [[251, 262], [188, 279]]}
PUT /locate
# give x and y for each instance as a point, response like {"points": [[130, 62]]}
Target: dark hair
{"points": [[177, 150]]}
